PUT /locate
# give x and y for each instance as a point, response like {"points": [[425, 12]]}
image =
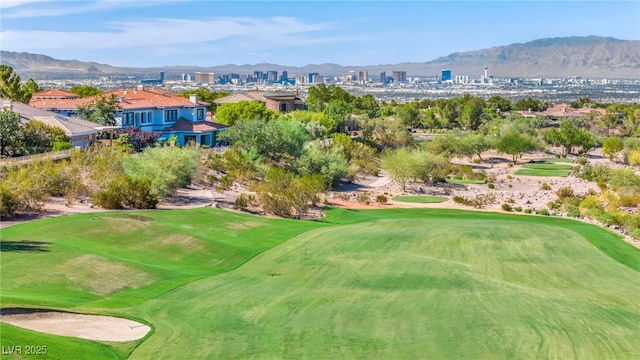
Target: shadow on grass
{"points": [[24, 246]]}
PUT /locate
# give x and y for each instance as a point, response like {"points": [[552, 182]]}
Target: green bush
{"points": [[244, 200], [545, 186], [381, 199], [582, 160], [8, 202], [572, 211], [61, 145], [528, 211], [459, 199], [506, 207], [518, 208], [491, 186], [564, 192], [363, 198], [543, 212]]}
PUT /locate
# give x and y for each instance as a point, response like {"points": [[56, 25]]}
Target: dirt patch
{"points": [[90, 327], [101, 276]]}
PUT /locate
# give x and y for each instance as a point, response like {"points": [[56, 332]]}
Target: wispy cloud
{"points": [[160, 35], [47, 8]]}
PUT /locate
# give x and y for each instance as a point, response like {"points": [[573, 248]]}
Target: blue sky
{"points": [[295, 33]]}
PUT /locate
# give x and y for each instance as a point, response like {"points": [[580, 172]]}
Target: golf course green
{"points": [[423, 199], [384, 284]]}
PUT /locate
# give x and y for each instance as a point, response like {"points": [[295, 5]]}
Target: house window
{"points": [[143, 118], [149, 117], [137, 118], [170, 115], [127, 119], [200, 114], [283, 107]]}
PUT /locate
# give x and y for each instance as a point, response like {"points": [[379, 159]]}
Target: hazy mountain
{"points": [[591, 56]]}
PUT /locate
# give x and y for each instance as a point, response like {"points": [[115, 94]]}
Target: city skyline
{"points": [[198, 33]]}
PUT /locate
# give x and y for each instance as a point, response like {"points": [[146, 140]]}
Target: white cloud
{"points": [[68, 7], [163, 34]]}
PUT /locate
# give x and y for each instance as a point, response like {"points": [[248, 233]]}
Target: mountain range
{"points": [[590, 56]]}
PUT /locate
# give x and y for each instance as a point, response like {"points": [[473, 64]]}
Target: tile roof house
{"points": [[81, 133], [282, 101], [152, 111]]}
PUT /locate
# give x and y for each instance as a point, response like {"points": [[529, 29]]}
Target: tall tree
{"points": [[10, 131], [229, 114], [85, 90], [100, 109], [515, 144]]}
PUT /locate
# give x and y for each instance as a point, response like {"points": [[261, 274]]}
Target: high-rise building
{"points": [[383, 77], [311, 77], [446, 75], [363, 76], [284, 76], [399, 76], [272, 76], [205, 78]]}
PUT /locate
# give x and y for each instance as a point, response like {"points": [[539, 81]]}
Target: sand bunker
{"points": [[90, 327]]}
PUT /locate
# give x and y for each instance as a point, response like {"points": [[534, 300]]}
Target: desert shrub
{"points": [[636, 233], [572, 211], [491, 186], [492, 178], [459, 199], [545, 186], [528, 211], [363, 198], [564, 192], [553, 205], [511, 200], [381, 199], [244, 200], [572, 200], [224, 183], [509, 177], [506, 207], [140, 194], [112, 196], [343, 196], [518, 208], [510, 185], [581, 160], [8, 202], [543, 212], [606, 218], [598, 173]]}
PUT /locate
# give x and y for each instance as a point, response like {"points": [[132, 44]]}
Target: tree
{"points": [[100, 109], [529, 104], [166, 168], [85, 90], [40, 137], [276, 140], [499, 103], [515, 144], [328, 163], [570, 136], [398, 163], [206, 95], [471, 115], [612, 146], [11, 88], [409, 115], [339, 111], [10, 132], [368, 105], [229, 114]]}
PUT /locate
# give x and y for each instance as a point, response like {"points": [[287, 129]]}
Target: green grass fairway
{"points": [[544, 166], [541, 172], [556, 160], [374, 284], [421, 199], [466, 181]]}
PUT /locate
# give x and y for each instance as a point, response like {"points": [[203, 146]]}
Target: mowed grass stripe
{"points": [[410, 288], [421, 199], [544, 166], [540, 172]]}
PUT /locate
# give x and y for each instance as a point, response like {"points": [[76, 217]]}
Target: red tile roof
{"points": [[63, 104], [137, 99], [54, 94], [185, 125]]}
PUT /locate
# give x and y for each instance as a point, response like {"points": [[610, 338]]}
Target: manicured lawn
{"points": [[466, 181], [545, 166], [397, 283], [556, 160], [541, 172], [421, 199]]}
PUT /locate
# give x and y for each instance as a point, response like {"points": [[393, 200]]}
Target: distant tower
{"points": [[486, 69], [446, 75]]}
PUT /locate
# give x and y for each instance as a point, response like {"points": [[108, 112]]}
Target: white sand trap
{"points": [[90, 327]]}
